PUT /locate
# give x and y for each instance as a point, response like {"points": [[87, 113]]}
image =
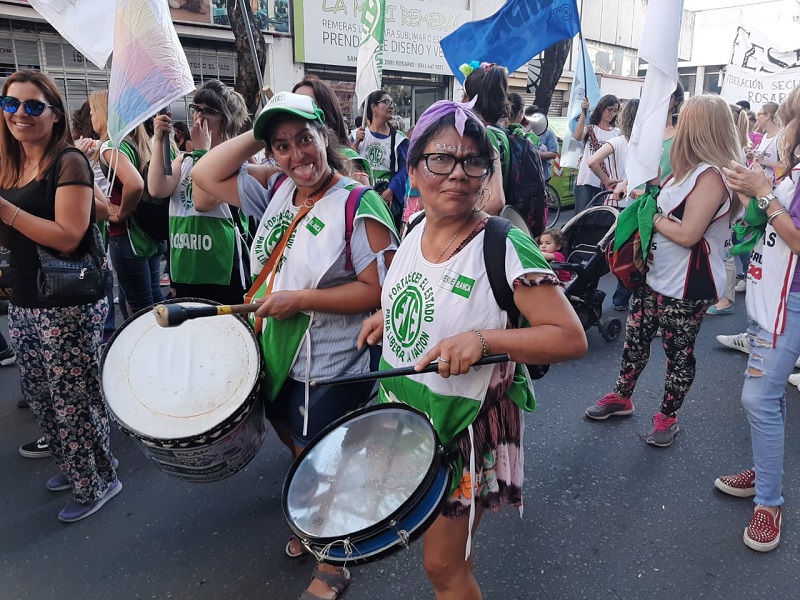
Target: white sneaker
{"points": [[794, 379], [735, 342], [741, 286]]}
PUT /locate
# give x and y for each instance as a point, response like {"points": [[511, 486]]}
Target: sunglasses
{"points": [[206, 111], [34, 108]]}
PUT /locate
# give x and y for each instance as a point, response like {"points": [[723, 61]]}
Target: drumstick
{"points": [[172, 315], [400, 372]]}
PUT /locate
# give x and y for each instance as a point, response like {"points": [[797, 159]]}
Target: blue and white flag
{"points": [[513, 35], [584, 85]]}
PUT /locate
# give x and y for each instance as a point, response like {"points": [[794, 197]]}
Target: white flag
{"points": [[86, 24], [369, 68], [659, 47], [149, 70]]}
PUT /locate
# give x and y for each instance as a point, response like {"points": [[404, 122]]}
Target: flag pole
{"points": [[251, 41]]}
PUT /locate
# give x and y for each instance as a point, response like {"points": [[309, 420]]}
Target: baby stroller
{"points": [[587, 234]]}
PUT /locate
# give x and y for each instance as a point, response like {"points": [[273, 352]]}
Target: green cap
{"points": [[286, 103]]}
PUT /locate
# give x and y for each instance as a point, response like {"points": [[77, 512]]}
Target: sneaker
{"points": [[659, 332], [741, 286], [164, 281], [60, 482], [22, 403], [735, 342], [7, 357], [664, 430], [75, 511], [621, 307], [794, 379], [610, 405], [742, 485], [763, 533], [38, 449]]}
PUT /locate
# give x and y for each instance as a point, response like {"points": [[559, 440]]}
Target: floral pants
{"points": [[680, 322], [57, 355]]}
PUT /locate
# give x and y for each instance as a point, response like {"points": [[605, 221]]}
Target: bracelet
{"points": [[780, 211], [657, 217], [14, 218], [483, 341]]}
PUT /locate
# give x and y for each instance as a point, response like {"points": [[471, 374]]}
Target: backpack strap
{"points": [[417, 220], [392, 154], [501, 137], [494, 256], [350, 210], [279, 182]]}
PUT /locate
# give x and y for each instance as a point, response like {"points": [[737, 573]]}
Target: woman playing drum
{"points": [[323, 286], [437, 304]]}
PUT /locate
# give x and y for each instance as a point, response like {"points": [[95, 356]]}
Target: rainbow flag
{"points": [[149, 69]]}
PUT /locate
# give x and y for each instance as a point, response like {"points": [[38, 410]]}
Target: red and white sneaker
{"points": [[763, 533], [742, 485], [610, 405]]}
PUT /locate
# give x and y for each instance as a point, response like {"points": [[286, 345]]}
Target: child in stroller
{"points": [[586, 235]]}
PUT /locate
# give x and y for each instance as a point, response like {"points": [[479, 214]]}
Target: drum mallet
{"points": [[172, 315], [400, 372]]}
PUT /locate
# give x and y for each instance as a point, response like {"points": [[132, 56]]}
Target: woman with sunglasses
{"points": [[385, 148], [46, 199], [602, 127], [214, 268], [480, 411], [135, 255]]}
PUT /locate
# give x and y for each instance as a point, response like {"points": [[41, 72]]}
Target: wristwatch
{"points": [[764, 201]]}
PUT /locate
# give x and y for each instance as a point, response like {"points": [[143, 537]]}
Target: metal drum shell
{"points": [[188, 457]]}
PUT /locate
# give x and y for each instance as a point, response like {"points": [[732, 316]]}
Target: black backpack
{"points": [[494, 257], [523, 176]]}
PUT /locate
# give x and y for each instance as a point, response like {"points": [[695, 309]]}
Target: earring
{"points": [[482, 202]]}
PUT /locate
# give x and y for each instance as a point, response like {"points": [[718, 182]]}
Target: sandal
{"points": [[337, 582], [289, 552]]}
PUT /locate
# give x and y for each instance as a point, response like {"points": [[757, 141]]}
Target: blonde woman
{"points": [[136, 257], [767, 150], [686, 263]]}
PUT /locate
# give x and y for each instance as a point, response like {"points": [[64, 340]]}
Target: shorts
{"points": [[325, 405]]}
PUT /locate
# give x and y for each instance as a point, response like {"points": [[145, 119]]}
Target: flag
{"points": [[369, 68], [149, 69], [83, 23], [513, 35], [659, 47], [584, 85]]}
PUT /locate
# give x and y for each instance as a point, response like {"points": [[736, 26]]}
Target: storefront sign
{"points": [[327, 33]]}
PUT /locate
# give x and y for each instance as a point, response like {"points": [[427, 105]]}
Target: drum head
{"points": [[516, 218], [366, 477], [175, 383]]}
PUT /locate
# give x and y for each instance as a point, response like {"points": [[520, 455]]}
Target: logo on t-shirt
{"points": [[458, 284], [411, 305], [375, 154]]}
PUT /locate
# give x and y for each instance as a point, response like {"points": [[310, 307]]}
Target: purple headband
{"points": [[439, 110]]}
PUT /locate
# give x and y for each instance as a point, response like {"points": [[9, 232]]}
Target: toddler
{"points": [[553, 246]]}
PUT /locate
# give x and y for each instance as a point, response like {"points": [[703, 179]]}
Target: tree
{"points": [[550, 69], [246, 71]]}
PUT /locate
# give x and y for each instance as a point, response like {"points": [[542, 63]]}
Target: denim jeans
{"points": [[583, 196], [764, 399], [622, 296], [137, 277]]}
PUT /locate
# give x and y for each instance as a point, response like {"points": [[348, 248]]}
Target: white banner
{"points": [[331, 33], [758, 88]]}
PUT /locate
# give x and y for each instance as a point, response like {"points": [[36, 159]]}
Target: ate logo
{"points": [[375, 155], [755, 272]]}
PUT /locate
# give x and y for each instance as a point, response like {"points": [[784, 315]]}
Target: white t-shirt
{"points": [[616, 167], [585, 175], [768, 148]]}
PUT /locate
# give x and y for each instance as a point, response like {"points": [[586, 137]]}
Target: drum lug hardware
{"points": [[401, 533]]}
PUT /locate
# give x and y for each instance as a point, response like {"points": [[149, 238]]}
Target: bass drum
{"points": [[516, 218], [368, 484], [188, 394]]}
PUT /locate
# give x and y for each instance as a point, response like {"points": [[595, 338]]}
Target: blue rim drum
{"points": [[188, 394], [368, 484]]}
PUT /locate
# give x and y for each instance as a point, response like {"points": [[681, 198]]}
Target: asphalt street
{"points": [[605, 516]]}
